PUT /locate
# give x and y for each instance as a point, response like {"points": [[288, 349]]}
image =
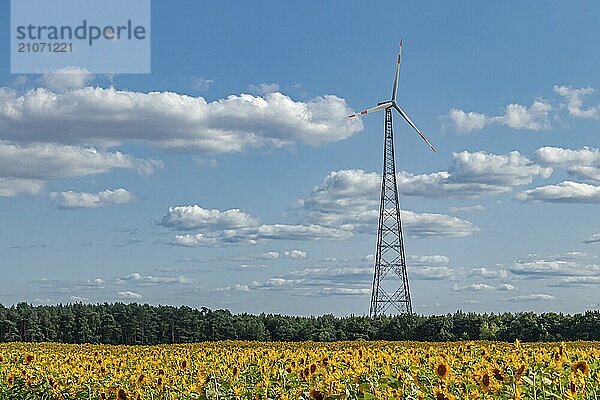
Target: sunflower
{"points": [[498, 375], [121, 395], [440, 395], [485, 382], [442, 370], [519, 373], [316, 395], [580, 366]]}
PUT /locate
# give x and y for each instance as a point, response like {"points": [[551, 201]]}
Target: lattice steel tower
{"points": [[390, 279]]}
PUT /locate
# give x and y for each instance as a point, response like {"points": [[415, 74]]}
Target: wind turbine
{"points": [[390, 256], [393, 104]]}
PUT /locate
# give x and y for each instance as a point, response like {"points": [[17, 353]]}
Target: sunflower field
{"points": [[308, 370]]}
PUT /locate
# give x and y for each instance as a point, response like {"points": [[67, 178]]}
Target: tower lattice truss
{"points": [[390, 280]]}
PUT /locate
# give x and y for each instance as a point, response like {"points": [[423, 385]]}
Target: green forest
{"points": [[143, 324]]}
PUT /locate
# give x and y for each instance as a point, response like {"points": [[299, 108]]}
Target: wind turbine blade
{"points": [[395, 90], [414, 126], [381, 106]]}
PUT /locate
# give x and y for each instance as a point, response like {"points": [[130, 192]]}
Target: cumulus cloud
{"points": [[24, 169], [336, 281], [268, 255], [66, 78], [327, 291], [348, 200], [135, 278], [595, 238], [516, 116], [126, 294], [532, 297], [583, 163], [109, 117], [467, 121], [534, 117], [70, 199], [196, 217], [473, 287], [16, 186], [257, 234], [47, 161], [506, 287], [562, 265], [563, 192], [544, 268], [493, 273], [437, 259], [295, 254], [578, 281], [574, 99], [432, 273], [474, 174]]}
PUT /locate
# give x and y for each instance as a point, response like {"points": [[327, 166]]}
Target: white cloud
{"points": [[467, 122], [473, 287], [130, 295], [437, 259], [435, 225], [328, 291], [575, 101], [109, 117], [516, 116], [579, 281], [24, 169], [595, 238], [583, 163], [506, 287], [264, 88], [473, 174], [498, 272], [135, 278], [532, 297], [47, 161], [543, 268], [254, 235], [196, 240], [268, 255], [16, 186], [534, 118], [295, 254], [432, 273], [196, 217], [78, 299], [564, 192], [66, 78], [508, 170], [562, 265], [343, 281], [348, 200], [70, 199], [232, 288]]}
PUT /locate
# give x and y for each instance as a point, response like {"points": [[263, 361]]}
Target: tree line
{"points": [[143, 324]]}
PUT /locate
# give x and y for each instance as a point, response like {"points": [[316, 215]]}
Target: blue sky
{"points": [[231, 177]]}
